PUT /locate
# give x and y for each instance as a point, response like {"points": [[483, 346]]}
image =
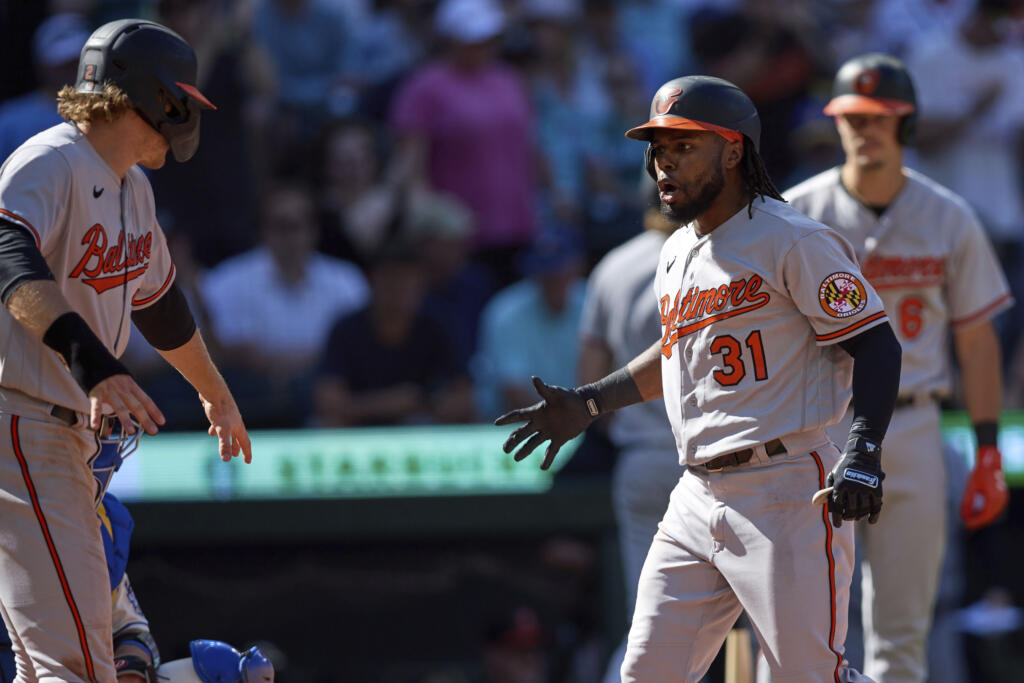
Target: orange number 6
{"points": [[911, 321]]}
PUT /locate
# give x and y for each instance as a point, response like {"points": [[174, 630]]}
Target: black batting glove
{"points": [[562, 415], [856, 482]]}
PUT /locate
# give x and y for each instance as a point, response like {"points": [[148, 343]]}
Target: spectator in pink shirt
{"points": [[463, 124]]}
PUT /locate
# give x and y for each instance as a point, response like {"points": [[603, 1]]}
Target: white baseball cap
{"points": [[469, 21], [59, 39]]}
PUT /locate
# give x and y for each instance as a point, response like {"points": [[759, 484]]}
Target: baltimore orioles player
{"points": [[81, 257], [766, 320], [925, 253]]}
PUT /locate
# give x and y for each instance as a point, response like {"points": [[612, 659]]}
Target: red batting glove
{"points": [[986, 495]]}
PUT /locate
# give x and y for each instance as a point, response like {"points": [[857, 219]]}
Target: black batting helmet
{"points": [[700, 103], [876, 84], [156, 68]]}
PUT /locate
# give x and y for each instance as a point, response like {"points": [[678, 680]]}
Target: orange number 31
{"points": [[732, 355]]}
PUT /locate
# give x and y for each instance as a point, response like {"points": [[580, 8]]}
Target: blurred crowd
{"points": [[394, 207]]}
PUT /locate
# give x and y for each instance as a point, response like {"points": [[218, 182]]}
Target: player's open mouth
{"points": [[667, 190]]}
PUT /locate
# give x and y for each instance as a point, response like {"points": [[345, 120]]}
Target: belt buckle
{"points": [[65, 415]]}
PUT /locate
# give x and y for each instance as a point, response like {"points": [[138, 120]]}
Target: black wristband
{"points": [[864, 439], [612, 392], [987, 433], [85, 356]]}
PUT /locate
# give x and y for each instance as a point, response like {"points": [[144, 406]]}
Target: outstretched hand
{"points": [[559, 417], [226, 424]]}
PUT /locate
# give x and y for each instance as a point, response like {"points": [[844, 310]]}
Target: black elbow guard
{"points": [[168, 323], [20, 260]]}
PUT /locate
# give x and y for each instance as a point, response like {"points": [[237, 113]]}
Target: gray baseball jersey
{"points": [[927, 256], [935, 270], [750, 315], [100, 238]]}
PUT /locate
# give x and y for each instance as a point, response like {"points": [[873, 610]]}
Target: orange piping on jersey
{"points": [[851, 328], [39, 244], [831, 570], [158, 293], [983, 312], [79, 626]]}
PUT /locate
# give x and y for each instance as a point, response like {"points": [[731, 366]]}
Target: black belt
{"points": [[65, 415], [773, 447], [917, 399]]}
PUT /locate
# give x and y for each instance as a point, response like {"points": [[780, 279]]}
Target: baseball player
{"points": [[766, 320], [618, 324], [925, 253], [136, 657], [81, 258]]}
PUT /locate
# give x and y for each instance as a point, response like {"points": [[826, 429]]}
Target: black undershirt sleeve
{"points": [[168, 323], [20, 260], [876, 380]]}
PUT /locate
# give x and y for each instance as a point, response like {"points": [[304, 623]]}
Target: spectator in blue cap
{"points": [[531, 327]]}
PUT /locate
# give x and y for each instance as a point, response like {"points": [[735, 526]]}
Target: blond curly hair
{"points": [[79, 107]]}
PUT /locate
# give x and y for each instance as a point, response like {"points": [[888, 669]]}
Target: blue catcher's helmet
{"points": [[214, 661]]}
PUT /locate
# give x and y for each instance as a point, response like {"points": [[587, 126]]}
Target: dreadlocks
{"points": [[756, 180]]}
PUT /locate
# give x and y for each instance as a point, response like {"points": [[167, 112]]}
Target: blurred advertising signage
{"points": [[336, 463], [398, 461]]}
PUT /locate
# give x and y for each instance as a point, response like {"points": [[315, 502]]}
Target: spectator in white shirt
{"points": [[271, 307]]}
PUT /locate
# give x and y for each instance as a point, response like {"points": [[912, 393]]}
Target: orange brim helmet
{"points": [[701, 103], [875, 84]]}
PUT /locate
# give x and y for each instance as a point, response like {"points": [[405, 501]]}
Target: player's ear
{"points": [[732, 154]]}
